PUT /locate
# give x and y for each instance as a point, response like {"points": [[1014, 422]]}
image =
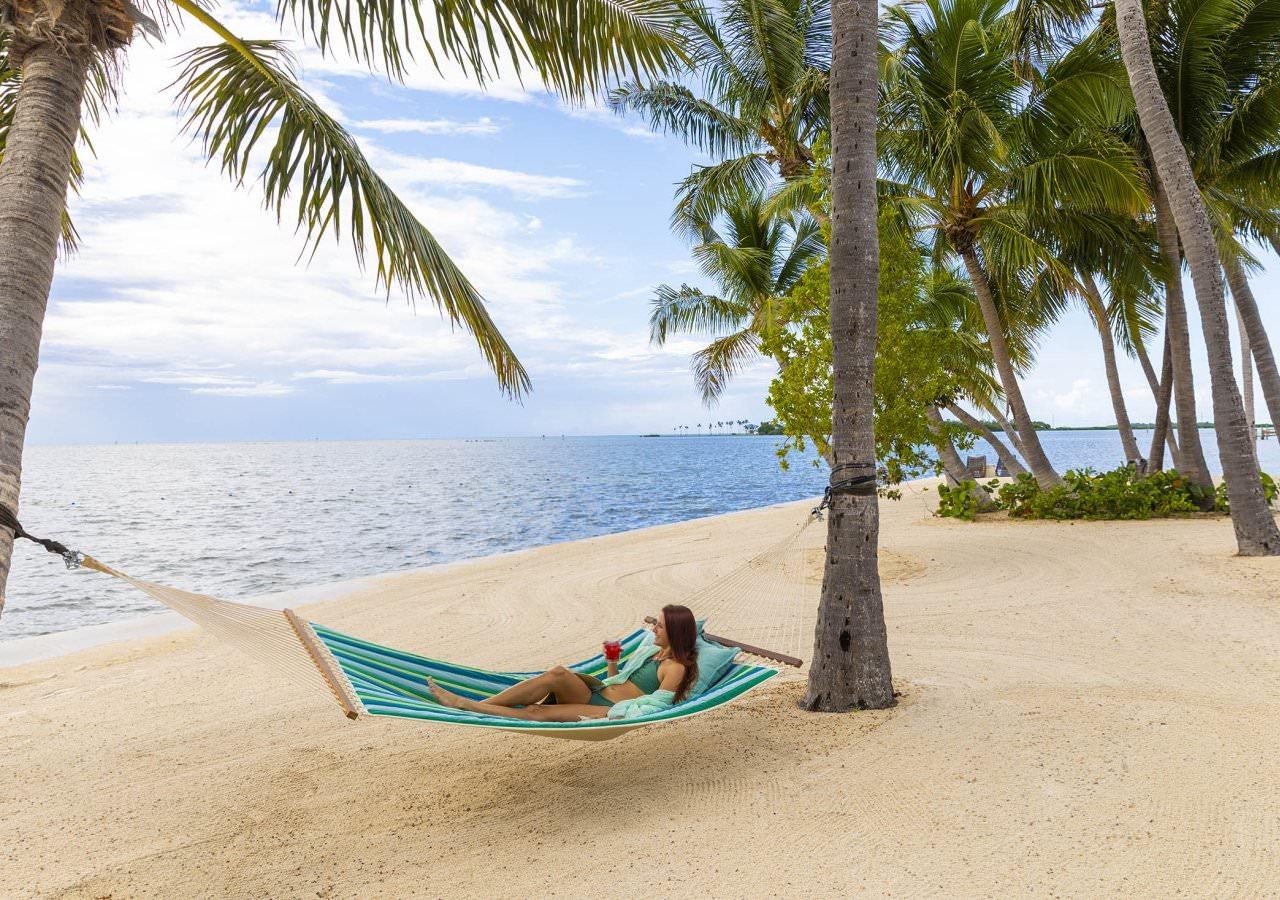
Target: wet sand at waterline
{"points": [[1087, 709]]}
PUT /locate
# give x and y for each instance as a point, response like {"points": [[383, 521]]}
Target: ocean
{"points": [[237, 520]]}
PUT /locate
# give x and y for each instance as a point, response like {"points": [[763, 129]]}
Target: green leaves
{"points": [[575, 46], [242, 101]]}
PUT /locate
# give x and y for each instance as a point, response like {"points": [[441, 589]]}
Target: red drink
{"points": [[613, 650]]}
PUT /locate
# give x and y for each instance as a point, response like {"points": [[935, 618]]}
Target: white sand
{"points": [[1088, 709]]}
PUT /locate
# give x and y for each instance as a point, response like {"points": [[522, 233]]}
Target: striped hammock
{"points": [[389, 682], [369, 679]]}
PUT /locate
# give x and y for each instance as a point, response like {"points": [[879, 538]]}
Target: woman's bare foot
{"points": [[447, 698]]}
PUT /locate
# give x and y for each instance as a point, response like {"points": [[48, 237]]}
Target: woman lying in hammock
{"points": [[656, 676]]}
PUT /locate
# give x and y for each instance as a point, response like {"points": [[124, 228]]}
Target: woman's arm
{"points": [[670, 673]]}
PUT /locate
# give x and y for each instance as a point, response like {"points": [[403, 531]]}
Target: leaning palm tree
{"points": [[978, 148], [755, 257], [1219, 63], [244, 103], [762, 68], [850, 664], [1255, 528]]}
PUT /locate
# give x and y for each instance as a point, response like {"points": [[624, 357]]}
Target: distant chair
{"points": [[1139, 465], [1002, 471], [976, 467]]}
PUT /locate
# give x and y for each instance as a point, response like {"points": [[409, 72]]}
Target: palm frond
{"points": [[240, 94], [576, 47], [688, 310], [709, 190], [715, 365], [673, 109]]}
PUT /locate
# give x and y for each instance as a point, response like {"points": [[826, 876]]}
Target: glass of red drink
{"points": [[613, 650]]}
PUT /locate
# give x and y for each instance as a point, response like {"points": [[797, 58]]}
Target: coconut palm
{"points": [[1219, 64], [1255, 528], [979, 151], [761, 68], [850, 664], [755, 257], [244, 103]]}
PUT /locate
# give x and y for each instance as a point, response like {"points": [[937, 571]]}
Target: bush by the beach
{"points": [[1085, 494]]}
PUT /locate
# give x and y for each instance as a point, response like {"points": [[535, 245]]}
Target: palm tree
{"points": [[762, 67], [850, 665], [756, 257], [979, 149], [1255, 528], [244, 103]]}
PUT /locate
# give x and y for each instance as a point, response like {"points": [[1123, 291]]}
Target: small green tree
{"points": [[927, 355]]}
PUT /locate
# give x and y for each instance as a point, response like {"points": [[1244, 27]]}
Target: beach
{"points": [[1086, 709]]}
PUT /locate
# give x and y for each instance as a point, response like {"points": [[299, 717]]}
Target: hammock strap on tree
{"points": [[9, 520]]}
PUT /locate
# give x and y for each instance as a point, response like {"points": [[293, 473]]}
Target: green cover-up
{"points": [[390, 682]]}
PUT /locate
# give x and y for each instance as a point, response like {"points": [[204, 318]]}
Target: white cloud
{"points": [[434, 171], [262, 389], [483, 126]]}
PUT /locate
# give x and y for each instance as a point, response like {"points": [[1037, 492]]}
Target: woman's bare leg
{"points": [[567, 687], [560, 712]]}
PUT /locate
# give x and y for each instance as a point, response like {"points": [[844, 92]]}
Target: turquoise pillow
{"points": [[713, 661]]}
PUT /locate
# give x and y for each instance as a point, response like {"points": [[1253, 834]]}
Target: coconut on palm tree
{"points": [[246, 107]]}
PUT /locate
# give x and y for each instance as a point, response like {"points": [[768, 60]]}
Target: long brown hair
{"points": [[682, 644]]}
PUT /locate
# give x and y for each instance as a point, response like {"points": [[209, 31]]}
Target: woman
{"points": [[665, 669]]}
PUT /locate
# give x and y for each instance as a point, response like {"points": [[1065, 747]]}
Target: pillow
{"points": [[713, 661]]}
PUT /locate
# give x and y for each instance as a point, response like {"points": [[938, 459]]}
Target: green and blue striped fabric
{"points": [[391, 682]]}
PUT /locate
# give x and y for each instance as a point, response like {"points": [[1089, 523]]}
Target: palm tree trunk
{"points": [[1007, 427], [1157, 391], [1246, 381], [33, 196], [1255, 346], [1164, 395], [1255, 527], [1007, 456], [1031, 449], [1099, 310], [850, 665], [1191, 460], [956, 472]]}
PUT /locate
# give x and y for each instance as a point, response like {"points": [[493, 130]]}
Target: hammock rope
{"points": [[767, 603]]}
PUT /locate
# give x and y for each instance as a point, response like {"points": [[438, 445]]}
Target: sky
{"points": [[188, 315]]}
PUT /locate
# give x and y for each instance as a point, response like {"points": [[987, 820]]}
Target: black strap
{"points": [[857, 485], [10, 521]]}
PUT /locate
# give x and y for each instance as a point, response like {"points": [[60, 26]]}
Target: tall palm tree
{"points": [[761, 67], [850, 665], [243, 102], [979, 148], [1255, 528], [755, 257]]}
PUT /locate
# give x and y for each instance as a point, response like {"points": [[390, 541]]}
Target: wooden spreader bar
{"points": [[745, 648], [307, 636]]}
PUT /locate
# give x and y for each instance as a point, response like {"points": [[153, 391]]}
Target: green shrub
{"points": [[961, 501], [1085, 494]]}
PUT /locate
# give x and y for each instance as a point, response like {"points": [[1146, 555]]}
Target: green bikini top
{"points": [[646, 677]]}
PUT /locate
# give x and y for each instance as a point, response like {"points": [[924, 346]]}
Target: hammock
{"points": [[771, 598]]}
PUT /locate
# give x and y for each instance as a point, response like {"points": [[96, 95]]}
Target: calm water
{"points": [[242, 519]]}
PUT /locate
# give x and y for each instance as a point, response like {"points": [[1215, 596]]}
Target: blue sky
{"points": [[185, 318]]}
